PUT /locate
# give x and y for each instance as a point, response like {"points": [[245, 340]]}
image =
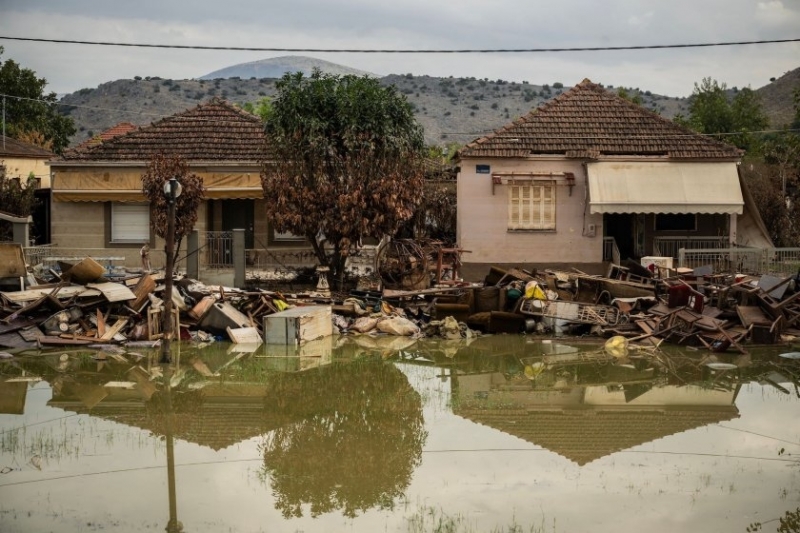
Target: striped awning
{"points": [[664, 187], [126, 186]]}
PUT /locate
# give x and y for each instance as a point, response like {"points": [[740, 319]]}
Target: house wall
{"points": [[79, 229], [483, 217], [21, 167]]}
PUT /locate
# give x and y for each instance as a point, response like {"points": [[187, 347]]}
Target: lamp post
{"points": [[172, 190]]}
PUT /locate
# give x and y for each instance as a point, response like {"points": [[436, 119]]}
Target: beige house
{"points": [[97, 188], [589, 175], [21, 161]]}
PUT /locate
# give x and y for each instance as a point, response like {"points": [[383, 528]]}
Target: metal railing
{"points": [[217, 249], [610, 250], [669, 246], [34, 255], [783, 261], [270, 259], [777, 261], [48, 256], [739, 260]]}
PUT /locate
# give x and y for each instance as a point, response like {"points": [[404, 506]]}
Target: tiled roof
{"points": [[584, 435], [589, 122], [216, 426], [114, 131], [13, 148], [213, 131]]}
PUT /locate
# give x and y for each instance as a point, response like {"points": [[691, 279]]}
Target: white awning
{"points": [[664, 188]]}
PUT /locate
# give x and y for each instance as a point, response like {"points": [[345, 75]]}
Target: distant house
{"points": [[22, 161], [97, 188], [114, 131], [589, 175]]}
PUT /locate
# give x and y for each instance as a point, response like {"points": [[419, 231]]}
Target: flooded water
{"points": [[506, 433]]}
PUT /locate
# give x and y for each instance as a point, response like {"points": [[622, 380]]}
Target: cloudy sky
{"points": [[413, 24]]}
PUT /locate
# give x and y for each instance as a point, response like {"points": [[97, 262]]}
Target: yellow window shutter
{"points": [[548, 207], [513, 207], [526, 207]]}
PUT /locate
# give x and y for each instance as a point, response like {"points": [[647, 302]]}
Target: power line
{"points": [[403, 50]]}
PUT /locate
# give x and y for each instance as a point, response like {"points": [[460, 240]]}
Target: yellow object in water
{"points": [[531, 371], [617, 346]]}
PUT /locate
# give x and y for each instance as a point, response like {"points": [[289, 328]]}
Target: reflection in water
{"points": [[337, 429], [584, 404], [338, 434], [348, 438]]}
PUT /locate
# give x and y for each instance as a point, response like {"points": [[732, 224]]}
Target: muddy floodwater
{"points": [[504, 433]]}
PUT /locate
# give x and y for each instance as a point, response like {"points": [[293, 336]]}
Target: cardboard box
{"points": [[298, 325]]}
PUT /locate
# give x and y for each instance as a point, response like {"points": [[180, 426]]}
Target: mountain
{"points": [[450, 109], [777, 98], [276, 67]]}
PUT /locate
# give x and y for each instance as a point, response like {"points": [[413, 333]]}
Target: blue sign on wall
{"points": [[482, 169]]}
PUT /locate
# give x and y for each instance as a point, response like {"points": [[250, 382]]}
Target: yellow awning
{"points": [[662, 187], [126, 186]]}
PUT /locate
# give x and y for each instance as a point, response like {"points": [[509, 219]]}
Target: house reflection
{"points": [[584, 406], [336, 432]]}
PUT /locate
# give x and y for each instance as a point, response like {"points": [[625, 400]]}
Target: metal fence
{"points": [[34, 255], [48, 256], [217, 249], [669, 246], [779, 261]]}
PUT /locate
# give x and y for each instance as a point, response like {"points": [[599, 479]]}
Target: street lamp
{"points": [[172, 190]]}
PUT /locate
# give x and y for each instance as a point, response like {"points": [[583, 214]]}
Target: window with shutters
{"points": [[130, 223], [532, 206]]}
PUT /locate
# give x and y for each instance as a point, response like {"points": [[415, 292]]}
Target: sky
{"points": [[413, 24]]}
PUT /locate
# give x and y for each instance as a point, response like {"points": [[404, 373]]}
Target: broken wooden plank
{"points": [[244, 335], [114, 292], [113, 330], [101, 324], [751, 314], [59, 341], [142, 291]]}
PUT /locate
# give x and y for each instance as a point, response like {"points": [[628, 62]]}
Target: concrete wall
{"points": [[80, 226], [21, 167], [482, 218]]}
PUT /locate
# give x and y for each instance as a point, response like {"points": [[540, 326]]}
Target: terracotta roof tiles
{"points": [[588, 122], [213, 131], [13, 148], [114, 131], [585, 435]]}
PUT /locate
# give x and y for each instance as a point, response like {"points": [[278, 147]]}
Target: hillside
{"points": [[777, 98], [450, 109]]}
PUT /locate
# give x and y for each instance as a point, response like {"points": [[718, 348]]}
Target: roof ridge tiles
{"points": [[587, 121]]}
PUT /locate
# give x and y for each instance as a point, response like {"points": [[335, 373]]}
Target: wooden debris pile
{"points": [[690, 307], [84, 307]]}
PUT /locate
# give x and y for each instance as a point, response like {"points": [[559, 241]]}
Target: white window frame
{"points": [[130, 223], [532, 206]]}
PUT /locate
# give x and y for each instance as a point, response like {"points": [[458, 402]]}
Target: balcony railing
{"points": [[610, 250], [669, 246]]}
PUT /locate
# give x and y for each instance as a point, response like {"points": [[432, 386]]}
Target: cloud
{"points": [[412, 24]]}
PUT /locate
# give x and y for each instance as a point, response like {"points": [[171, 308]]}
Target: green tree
{"points": [[262, 108], [345, 162], [636, 98], [711, 111], [15, 199], [29, 111]]}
